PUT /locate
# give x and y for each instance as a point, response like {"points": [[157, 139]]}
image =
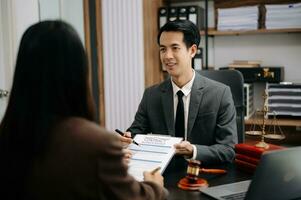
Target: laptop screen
{"points": [[277, 177]]}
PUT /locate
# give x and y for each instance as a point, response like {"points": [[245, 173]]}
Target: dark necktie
{"points": [[180, 122]]}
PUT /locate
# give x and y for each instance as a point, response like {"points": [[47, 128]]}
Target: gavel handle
{"points": [[213, 171]]}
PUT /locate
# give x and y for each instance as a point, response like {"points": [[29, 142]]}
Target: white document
{"points": [[153, 151]]}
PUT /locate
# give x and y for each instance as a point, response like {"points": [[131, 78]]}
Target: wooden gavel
{"points": [[194, 169]]}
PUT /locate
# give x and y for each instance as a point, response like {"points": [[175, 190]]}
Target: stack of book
{"points": [[247, 156], [283, 16], [239, 18], [244, 63]]}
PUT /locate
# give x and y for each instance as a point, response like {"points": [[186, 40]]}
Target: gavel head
{"points": [[193, 170]]}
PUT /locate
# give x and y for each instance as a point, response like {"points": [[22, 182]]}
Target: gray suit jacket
{"points": [[211, 118]]}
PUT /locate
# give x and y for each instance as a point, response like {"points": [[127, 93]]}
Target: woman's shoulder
{"points": [[78, 125], [80, 130]]}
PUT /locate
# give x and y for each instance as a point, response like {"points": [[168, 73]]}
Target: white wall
{"points": [[3, 101], [49, 9], [70, 11], [25, 14], [272, 49], [2, 63], [16, 16]]}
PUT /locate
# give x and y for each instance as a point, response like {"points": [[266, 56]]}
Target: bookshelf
{"points": [[292, 126], [214, 32]]}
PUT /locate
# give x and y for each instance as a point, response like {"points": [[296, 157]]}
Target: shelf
{"points": [[281, 122], [214, 32], [181, 1]]}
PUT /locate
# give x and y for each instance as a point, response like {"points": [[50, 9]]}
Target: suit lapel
{"points": [[195, 101], [167, 105]]}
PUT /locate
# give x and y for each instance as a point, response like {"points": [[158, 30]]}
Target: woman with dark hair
{"points": [[49, 146]]}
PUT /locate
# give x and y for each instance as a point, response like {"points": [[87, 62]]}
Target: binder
{"points": [[198, 60], [183, 13], [196, 15], [162, 16], [172, 13]]}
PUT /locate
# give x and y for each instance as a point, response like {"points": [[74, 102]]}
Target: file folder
{"points": [[197, 16], [183, 13], [172, 13], [162, 16], [198, 60]]}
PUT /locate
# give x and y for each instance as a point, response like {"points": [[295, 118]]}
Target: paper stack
{"points": [[283, 16], [240, 18], [247, 156], [153, 151]]}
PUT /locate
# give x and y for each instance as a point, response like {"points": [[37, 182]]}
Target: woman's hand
{"points": [[154, 177], [126, 139], [127, 156]]}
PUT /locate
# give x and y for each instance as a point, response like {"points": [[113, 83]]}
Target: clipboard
{"points": [[153, 151]]}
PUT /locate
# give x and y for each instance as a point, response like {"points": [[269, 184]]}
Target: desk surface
{"points": [[177, 170]]}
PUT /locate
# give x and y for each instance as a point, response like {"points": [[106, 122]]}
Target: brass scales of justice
{"points": [[274, 124]]}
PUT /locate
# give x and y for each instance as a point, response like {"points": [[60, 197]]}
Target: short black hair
{"points": [[189, 29]]}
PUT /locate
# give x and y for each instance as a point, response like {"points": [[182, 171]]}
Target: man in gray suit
{"points": [[206, 118]]}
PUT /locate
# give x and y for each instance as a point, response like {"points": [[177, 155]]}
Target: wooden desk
{"points": [[176, 171]]}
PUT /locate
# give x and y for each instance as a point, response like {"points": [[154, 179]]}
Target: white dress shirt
{"points": [[186, 89]]}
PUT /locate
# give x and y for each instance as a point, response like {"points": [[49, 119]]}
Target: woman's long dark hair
{"points": [[50, 84]]}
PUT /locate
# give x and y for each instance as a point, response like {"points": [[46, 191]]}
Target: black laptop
{"points": [[277, 177]]}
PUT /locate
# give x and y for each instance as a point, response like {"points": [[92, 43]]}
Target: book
{"points": [[252, 151], [248, 159], [245, 166], [257, 62], [244, 63], [235, 65]]}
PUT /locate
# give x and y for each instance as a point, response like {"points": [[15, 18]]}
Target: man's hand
{"points": [[184, 148]]}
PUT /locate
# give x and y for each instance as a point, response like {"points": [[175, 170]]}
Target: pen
{"points": [[122, 134], [155, 170]]}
